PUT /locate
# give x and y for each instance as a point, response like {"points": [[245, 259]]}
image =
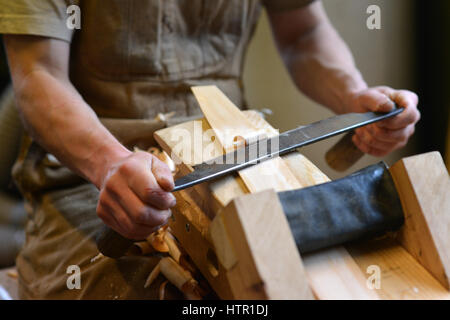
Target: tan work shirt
{"points": [[137, 58]]}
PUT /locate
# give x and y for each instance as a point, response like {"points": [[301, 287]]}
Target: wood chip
{"points": [[156, 239]]}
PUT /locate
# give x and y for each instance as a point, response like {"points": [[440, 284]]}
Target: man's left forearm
{"points": [[319, 61], [323, 68]]}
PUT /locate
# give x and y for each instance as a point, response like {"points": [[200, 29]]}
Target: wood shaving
{"points": [[153, 275], [12, 274], [97, 257], [162, 290]]}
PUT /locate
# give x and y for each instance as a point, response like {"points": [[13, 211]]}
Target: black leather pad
{"points": [[364, 204]]}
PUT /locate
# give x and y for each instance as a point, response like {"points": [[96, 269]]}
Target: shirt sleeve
{"points": [[36, 17], [285, 5]]}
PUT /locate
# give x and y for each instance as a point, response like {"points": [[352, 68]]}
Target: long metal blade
{"points": [[288, 141]]}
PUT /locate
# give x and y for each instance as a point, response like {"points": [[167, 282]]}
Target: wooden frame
{"points": [[236, 233]]}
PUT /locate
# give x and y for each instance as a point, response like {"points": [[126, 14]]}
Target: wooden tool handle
{"points": [[343, 154], [112, 244]]}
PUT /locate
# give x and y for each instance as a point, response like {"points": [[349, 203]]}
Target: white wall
{"points": [[384, 57]]}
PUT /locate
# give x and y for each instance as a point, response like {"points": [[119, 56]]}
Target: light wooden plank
{"points": [[189, 143], [306, 173], [257, 120], [401, 276], [273, 174], [334, 275], [230, 125]]}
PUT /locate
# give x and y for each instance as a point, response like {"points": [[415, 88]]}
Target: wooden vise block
{"points": [[423, 185], [253, 243], [414, 263]]}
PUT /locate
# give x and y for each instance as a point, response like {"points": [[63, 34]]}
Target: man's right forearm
{"points": [[55, 114]]}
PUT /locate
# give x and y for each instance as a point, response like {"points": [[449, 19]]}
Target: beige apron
{"points": [[132, 59]]}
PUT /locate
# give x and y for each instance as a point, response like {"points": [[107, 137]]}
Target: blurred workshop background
{"points": [[410, 51]]}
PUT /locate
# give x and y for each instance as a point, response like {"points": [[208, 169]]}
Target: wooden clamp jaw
{"points": [[423, 185], [253, 243]]}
